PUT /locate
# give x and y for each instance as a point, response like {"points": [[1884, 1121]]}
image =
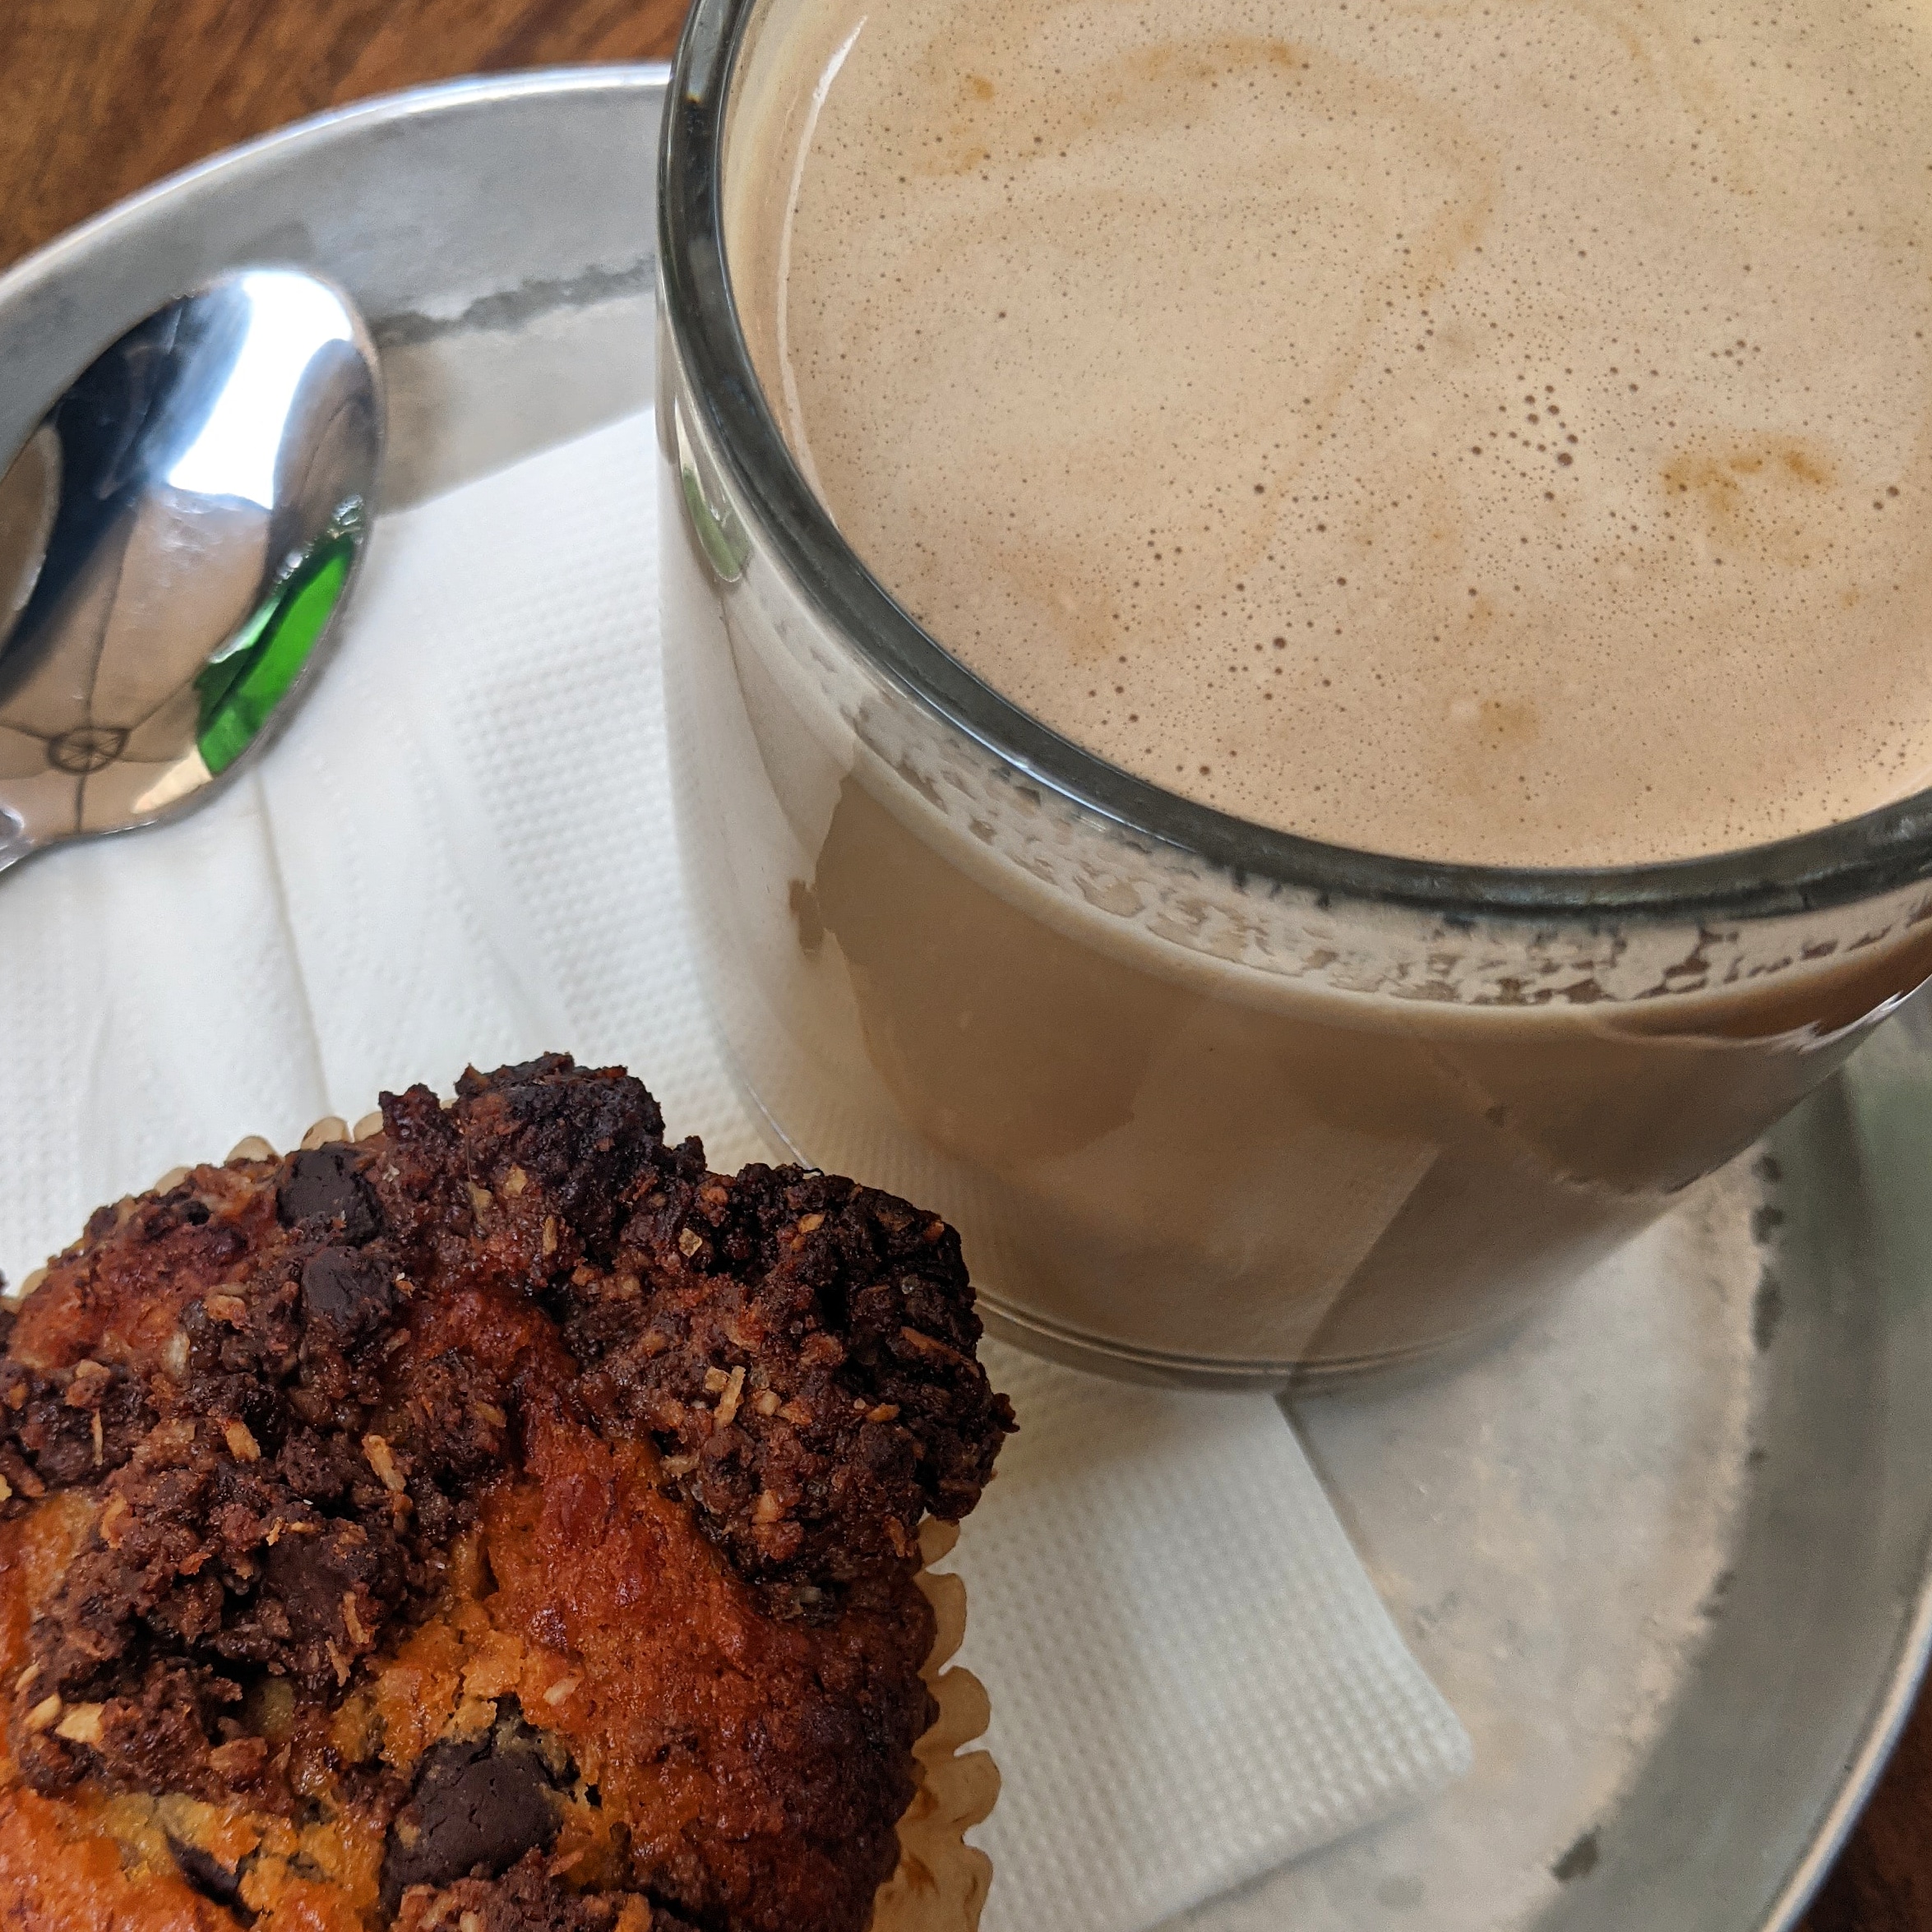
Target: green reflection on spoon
{"points": [[240, 688]]}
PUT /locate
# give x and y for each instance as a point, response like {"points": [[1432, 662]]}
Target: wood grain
{"points": [[1883, 1881], [99, 97]]}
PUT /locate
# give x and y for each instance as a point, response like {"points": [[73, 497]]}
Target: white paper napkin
{"points": [[462, 853]]}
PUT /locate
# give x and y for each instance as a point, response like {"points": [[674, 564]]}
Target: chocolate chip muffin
{"points": [[496, 1522]]}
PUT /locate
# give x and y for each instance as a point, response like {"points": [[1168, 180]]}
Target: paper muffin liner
{"points": [[941, 1881]]}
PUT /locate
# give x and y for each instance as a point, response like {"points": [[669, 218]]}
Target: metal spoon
{"points": [[175, 537]]}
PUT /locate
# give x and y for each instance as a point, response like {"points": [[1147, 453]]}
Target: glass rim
{"points": [[1882, 850]]}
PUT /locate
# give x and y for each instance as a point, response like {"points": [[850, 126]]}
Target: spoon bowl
{"points": [[176, 535]]}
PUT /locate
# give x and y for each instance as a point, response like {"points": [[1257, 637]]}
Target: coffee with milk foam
{"points": [[1494, 432]]}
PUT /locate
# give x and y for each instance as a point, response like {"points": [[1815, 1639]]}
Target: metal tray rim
{"points": [[322, 130], [1910, 1672]]}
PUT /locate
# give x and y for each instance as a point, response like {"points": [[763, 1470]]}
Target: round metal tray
{"points": [[1667, 1550]]}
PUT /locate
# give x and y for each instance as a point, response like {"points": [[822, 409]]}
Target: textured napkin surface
{"points": [[462, 851]]}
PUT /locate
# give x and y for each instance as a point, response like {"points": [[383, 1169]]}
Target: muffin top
{"points": [[501, 1518]]}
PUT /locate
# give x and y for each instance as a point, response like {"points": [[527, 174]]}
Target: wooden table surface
{"points": [[99, 97]]}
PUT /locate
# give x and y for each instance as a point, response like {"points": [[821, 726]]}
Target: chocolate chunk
{"points": [[213, 1879], [476, 1810], [350, 1291], [311, 1576], [303, 1575], [323, 1185]]}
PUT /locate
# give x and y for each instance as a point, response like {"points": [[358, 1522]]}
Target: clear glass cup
{"points": [[1207, 1101]]}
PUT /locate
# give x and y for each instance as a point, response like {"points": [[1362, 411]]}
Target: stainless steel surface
{"points": [[498, 234], [176, 536], [1666, 1550]]}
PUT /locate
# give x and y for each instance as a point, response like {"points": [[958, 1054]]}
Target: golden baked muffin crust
{"points": [[500, 1523]]}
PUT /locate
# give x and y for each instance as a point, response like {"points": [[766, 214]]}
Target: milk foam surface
{"points": [[1492, 432]]}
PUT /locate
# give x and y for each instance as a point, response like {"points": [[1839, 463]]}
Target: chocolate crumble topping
{"points": [[259, 1422]]}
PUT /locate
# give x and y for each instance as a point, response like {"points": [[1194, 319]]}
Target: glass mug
{"points": [[1207, 1102]]}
